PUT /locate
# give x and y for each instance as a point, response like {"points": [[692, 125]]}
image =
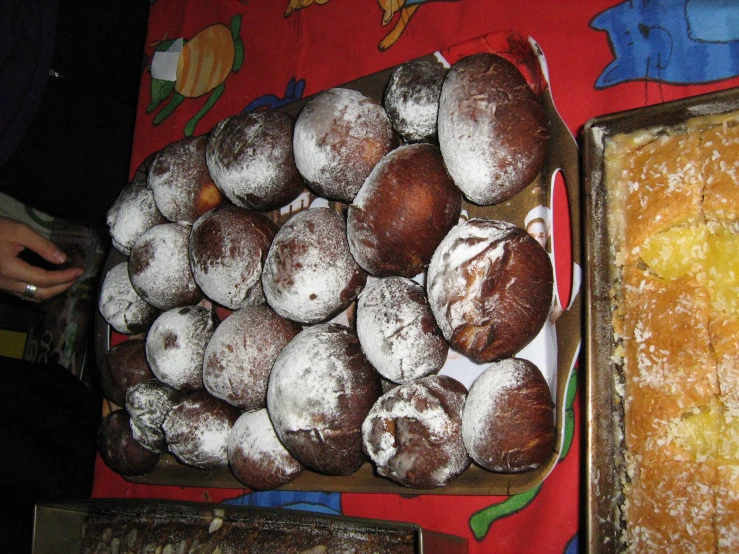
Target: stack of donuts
{"points": [[315, 343]]}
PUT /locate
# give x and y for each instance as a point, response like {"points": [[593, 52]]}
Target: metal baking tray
{"points": [[602, 415], [562, 162], [59, 527]]}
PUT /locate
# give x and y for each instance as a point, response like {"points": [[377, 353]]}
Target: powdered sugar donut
{"points": [[118, 448], [397, 330], [148, 403], [228, 246], [131, 215], [412, 100], [175, 346], [250, 157], [492, 129], [310, 275], [122, 367], [196, 430], [490, 288], [256, 456], [240, 354], [403, 210], [340, 135], [121, 306], [179, 178], [159, 267], [413, 433], [319, 392], [508, 424]]}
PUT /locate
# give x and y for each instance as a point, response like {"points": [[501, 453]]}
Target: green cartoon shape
{"points": [[202, 65], [569, 423], [482, 520]]}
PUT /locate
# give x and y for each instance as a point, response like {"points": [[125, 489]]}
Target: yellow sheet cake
{"points": [[673, 197]]}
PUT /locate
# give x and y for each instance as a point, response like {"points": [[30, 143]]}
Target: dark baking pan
{"points": [[63, 527]]}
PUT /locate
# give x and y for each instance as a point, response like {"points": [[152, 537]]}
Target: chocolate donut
{"points": [[175, 346], [397, 330], [122, 367], [310, 275], [490, 288], [340, 134], [119, 450], [179, 178], [196, 430], [159, 267], [256, 456], [121, 306], [240, 354], [413, 433], [250, 157], [132, 214], [228, 246], [320, 390], [508, 424], [403, 210], [411, 100], [493, 131]]}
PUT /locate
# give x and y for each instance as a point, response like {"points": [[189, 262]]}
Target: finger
{"points": [[41, 293], [22, 272], [42, 278], [27, 237], [51, 292]]}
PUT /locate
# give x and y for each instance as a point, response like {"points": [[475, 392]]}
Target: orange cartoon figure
{"points": [[405, 10], [190, 69], [295, 5]]}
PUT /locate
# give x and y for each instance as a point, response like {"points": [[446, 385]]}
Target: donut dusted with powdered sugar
{"points": [[121, 306], [411, 100], [122, 367], [148, 403], [320, 390], [250, 157], [493, 131], [413, 433], [508, 424], [119, 450], [176, 343], [159, 267], [403, 210], [240, 354], [227, 248], [340, 134], [179, 178], [196, 430], [310, 275], [256, 456], [490, 287], [397, 330], [132, 214]]}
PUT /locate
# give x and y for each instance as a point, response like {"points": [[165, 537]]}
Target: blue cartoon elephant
{"points": [[671, 41]]}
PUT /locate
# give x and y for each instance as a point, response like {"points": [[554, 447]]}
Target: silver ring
{"points": [[29, 292]]}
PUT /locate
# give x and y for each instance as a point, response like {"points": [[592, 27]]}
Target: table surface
{"points": [[603, 56]]}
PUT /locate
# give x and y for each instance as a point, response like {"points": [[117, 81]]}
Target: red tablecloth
{"points": [[603, 56]]}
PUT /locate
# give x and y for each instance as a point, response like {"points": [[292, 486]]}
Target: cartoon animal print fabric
{"points": [[671, 41]]}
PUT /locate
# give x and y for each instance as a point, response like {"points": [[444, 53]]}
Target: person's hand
{"points": [[16, 274]]}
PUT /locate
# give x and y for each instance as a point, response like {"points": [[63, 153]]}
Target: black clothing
{"points": [[74, 156]]}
